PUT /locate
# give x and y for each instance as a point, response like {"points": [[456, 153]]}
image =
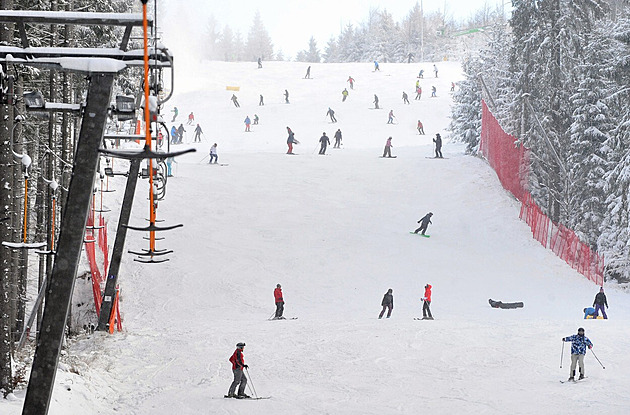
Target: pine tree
{"points": [[258, 41]]}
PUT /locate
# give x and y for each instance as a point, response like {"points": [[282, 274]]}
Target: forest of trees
{"points": [[558, 79]]}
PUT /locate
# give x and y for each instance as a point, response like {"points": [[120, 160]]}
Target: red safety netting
{"points": [[97, 257], [511, 163]]}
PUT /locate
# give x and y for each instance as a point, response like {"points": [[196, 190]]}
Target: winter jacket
{"points": [[338, 135], [277, 294], [388, 143], [247, 121], [427, 293], [590, 311], [213, 150], [600, 299], [237, 359], [388, 300], [324, 140], [291, 139], [438, 142], [578, 343], [425, 220]]}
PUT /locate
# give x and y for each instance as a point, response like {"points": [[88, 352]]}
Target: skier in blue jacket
{"points": [[579, 343]]}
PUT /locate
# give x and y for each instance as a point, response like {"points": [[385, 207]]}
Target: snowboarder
{"points": [[291, 140], [424, 223], [452, 86], [387, 152], [391, 117], [344, 93], [175, 112], [435, 69], [308, 73], [256, 119], [420, 127], [376, 102], [387, 303], [426, 312], [262, 101], [438, 146], [180, 133], [376, 67], [579, 343], [433, 91], [174, 135], [286, 96], [277, 295], [213, 154], [589, 311], [235, 101], [259, 63], [418, 92], [405, 98], [247, 122], [337, 139], [324, 143], [421, 74], [351, 81], [198, 133], [191, 118], [331, 113], [238, 364], [600, 302]]}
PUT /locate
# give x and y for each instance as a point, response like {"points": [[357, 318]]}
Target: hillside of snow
{"points": [[334, 231]]}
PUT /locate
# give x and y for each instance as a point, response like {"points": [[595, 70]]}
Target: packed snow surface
{"points": [[334, 231]]}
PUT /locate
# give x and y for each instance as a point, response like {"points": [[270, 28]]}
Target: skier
{"points": [[191, 118], [421, 74], [391, 117], [198, 133], [247, 122], [420, 127], [600, 302], [452, 86], [579, 343], [351, 81], [173, 135], [376, 102], [256, 119], [344, 93], [169, 165], [291, 140], [277, 295], [337, 139], [262, 101], [238, 364], [180, 133], [213, 154], [405, 98], [433, 91], [259, 63], [308, 73], [435, 69], [286, 96], [175, 112], [324, 143], [438, 146], [418, 92], [426, 312], [387, 303], [424, 223], [331, 113], [589, 311], [235, 101], [387, 152], [376, 67], [417, 83]]}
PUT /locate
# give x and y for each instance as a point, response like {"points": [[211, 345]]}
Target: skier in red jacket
{"points": [[426, 312], [238, 363], [277, 295]]}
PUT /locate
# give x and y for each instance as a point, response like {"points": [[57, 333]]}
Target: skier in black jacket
{"points": [[325, 141], [424, 223], [438, 146], [387, 303], [600, 302], [337, 139]]}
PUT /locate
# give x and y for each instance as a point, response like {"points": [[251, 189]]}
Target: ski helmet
{"points": [[278, 285], [240, 345], [580, 330]]}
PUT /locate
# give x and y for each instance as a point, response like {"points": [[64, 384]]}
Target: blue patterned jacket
{"points": [[578, 343]]}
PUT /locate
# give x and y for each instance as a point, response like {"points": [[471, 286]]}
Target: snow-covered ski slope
{"points": [[334, 231]]}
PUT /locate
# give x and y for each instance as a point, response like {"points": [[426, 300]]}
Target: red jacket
{"points": [[237, 359], [277, 294], [427, 293]]}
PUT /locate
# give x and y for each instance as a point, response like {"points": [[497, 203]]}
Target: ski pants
{"points": [[600, 307], [279, 309], [575, 360], [239, 378], [290, 148], [322, 149], [337, 143], [214, 157], [387, 152], [389, 309], [438, 152], [425, 309], [422, 229]]}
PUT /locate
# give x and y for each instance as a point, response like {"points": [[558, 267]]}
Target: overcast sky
{"points": [[292, 23]]}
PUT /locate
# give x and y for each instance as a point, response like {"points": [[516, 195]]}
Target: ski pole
{"points": [[561, 355], [272, 315], [597, 359], [250, 380], [204, 158]]}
